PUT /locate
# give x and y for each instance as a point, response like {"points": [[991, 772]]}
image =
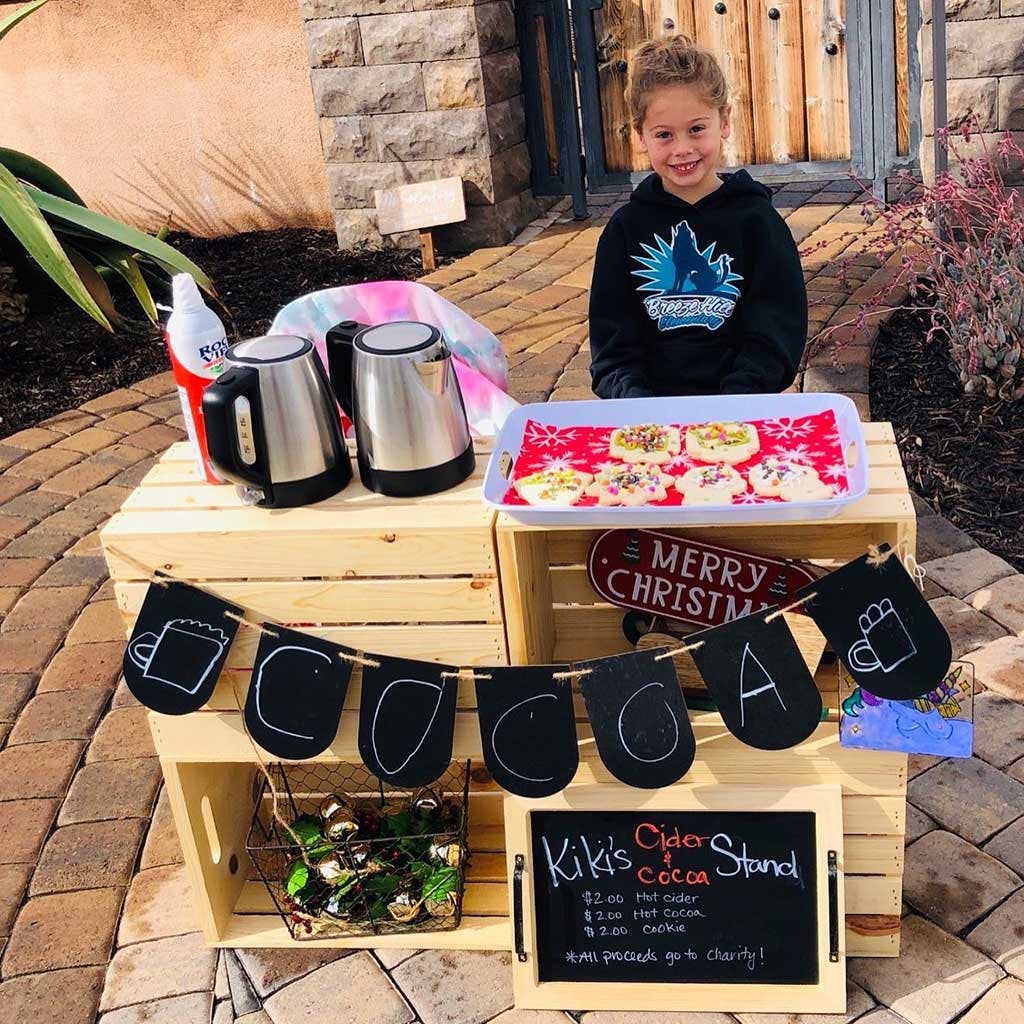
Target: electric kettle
{"points": [[272, 425], [412, 435]]}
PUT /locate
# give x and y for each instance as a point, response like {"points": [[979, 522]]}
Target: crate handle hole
{"points": [[505, 464], [851, 455], [211, 829]]}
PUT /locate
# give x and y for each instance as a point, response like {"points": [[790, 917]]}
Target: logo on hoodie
{"points": [[691, 288]]}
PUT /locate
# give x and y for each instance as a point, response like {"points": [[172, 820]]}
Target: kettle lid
{"points": [[272, 348], [400, 337]]}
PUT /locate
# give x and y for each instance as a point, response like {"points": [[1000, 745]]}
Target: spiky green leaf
{"points": [[29, 226]]}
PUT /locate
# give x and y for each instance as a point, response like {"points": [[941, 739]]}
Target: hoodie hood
{"points": [[734, 185]]}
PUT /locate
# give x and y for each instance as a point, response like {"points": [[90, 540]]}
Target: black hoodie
{"points": [[696, 299]]}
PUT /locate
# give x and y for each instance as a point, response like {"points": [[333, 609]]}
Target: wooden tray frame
{"points": [[827, 996]]}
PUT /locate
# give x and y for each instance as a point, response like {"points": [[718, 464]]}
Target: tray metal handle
{"points": [[517, 908], [833, 907]]}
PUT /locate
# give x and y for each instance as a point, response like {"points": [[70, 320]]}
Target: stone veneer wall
{"points": [[984, 71], [412, 90]]}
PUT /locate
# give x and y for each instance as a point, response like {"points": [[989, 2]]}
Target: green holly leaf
{"points": [[378, 909], [421, 870], [399, 824], [440, 883], [297, 880], [307, 830], [382, 885]]}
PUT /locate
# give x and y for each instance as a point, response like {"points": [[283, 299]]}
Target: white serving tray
{"points": [[622, 411]]}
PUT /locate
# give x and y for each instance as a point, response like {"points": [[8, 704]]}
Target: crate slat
{"points": [[219, 736], [335, 602]]}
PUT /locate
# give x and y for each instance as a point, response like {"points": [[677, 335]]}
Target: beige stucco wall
{"points": [[198, 108]]}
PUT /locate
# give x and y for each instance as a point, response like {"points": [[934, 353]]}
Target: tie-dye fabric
{"points": [[479, 360]]}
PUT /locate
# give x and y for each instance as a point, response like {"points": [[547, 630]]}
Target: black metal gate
{"points": [[552, 106]]}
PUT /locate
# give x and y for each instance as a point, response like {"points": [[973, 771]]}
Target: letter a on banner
{"points": [[759, 680], [407, 720], [641, 727], [528, 729]]}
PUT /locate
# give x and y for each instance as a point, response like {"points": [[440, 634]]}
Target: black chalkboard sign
{"points": [[706, 898], [692, 896], [528, 728], [407, 719], [178, 647], [296, 693]]}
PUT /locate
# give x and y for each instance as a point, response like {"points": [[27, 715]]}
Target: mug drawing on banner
{"points": [[880, 625], [885, 645], [178, 647]]}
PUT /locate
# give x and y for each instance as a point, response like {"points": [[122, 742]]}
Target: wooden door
{"points": [[785, 61]]}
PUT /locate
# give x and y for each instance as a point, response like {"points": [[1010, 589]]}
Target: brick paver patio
{"points": [[94, 911]]}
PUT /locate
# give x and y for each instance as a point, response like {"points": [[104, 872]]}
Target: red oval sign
{"points": [[679, 578]]}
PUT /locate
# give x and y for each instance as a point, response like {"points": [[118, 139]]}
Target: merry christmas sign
{"points": [[679, 578]]}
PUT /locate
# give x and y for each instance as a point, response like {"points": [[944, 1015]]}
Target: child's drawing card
{"points": [[939, 722]]}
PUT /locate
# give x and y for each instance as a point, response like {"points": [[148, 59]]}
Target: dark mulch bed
{"points": [[963, 454], [59, 358]]}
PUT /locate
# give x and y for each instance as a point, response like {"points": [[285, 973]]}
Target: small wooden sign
{"points": [[420, 207], [707, 898], [680, 578]]}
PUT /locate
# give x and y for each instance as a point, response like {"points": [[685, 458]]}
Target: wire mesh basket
{"points": [[346, 854]]}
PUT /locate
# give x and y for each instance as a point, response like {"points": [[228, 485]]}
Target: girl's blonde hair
{"points": [[673, 61]]}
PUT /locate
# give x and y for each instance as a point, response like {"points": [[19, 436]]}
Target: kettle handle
{"points": [[225, 413]]}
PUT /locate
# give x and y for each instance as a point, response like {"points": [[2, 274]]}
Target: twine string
{"points": [[575, 673], [254, 626], [789, 607], [877, 558], [358, 659], [467, 675], [157, 576], [682, 649]]}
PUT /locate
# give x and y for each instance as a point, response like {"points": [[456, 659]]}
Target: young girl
{"points": [[697, 284]]}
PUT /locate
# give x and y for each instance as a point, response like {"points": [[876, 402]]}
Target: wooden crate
{"points": [[342, 570], [416, 578], [553, 614]]}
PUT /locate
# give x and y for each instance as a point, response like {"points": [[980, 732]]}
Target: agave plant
{"points": [[77, 247]]}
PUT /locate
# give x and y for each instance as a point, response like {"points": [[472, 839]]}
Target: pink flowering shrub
{"points": [[971, 279]]}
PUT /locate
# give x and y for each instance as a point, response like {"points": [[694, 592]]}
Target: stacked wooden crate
{"points": [[439, 578]]}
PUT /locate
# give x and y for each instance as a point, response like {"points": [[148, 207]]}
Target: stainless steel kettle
{"points": [[412, 436], [272, 424]]}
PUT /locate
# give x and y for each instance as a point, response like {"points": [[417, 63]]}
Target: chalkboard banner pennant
{"points": [[641, 727], [296, 693], [759, 679], [178, 647], [407, 719], [528, 729], [881, 627]]}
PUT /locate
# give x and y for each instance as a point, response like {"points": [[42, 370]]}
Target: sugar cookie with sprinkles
{"points": [[562, 487], [728, 442], [776, 477], [645, 442], [710, 485], [638, 484]]}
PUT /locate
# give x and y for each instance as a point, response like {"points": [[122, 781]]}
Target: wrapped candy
{"points": [[403, 908], [358, 853], [332, 803], [341, 825], [443, 907], [450, 853], [331, 870], [425, 801]]}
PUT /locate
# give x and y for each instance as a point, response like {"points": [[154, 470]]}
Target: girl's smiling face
{"points": [[683, 136]]}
